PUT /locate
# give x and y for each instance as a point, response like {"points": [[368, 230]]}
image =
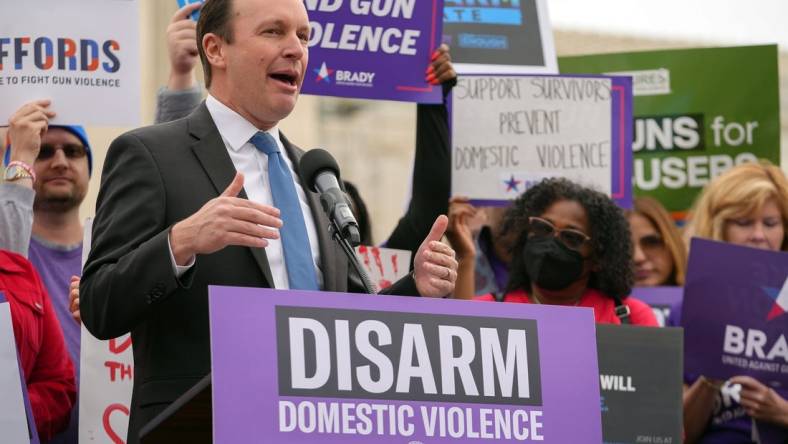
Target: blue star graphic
{"points": [[772, 292], [512, 184], [778, 309], [323, 73]]}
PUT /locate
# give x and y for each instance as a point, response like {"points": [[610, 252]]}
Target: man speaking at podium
{"points": [[214, 199]]}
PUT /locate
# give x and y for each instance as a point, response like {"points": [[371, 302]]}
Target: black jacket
{"points": [[154, 177]]}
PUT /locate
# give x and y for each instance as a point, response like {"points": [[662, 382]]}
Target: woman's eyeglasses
{"points": [[71, 151], [573, 239], [651, 242]]}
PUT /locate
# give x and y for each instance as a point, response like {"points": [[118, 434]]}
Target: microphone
{"points": [[320, 173]]}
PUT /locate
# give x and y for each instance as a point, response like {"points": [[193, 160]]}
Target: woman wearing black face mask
{"points": [[573, 248]]}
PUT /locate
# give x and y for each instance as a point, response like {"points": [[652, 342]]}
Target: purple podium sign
{"points": [[309, 367], [373, 50], [734, 315], [662, 300]]}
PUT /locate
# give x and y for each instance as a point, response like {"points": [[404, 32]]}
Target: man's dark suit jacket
{"points": [[154, 177]]}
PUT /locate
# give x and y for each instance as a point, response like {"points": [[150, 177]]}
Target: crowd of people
{"points": [[210, 196]]}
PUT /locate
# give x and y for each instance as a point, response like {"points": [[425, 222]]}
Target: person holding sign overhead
{"points": [[747, 205], [213, 199], [572, 248], [183, 93], [45, 184]]}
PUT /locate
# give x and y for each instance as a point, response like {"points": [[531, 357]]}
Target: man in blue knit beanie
{"points": [[45, 179]]}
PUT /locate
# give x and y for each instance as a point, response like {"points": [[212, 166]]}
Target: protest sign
{"points": [[13, 415], [194, 15], [499, 36], [106, 372], [91, 73], [698, 112], [510, 132], [734, 312], [640, 376], [350, 368], [383, 265], [661, 299], [373, 49], [770, 433], [107, 375]]}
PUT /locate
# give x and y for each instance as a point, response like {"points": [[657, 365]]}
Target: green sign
{"points": [[698, 112]]}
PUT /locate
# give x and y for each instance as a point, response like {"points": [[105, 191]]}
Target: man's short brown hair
{"points": [[215, 16]]}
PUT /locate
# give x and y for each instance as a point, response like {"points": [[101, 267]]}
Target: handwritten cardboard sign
{"points": [[107, 371], [510, 132]]}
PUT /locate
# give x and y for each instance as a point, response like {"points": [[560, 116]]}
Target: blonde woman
{"points": [[747, 205], [660, 255]]}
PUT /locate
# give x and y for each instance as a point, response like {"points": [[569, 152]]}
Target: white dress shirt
{"points": [[253, 164]]}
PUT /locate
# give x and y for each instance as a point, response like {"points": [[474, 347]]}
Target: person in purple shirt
{"points": [[49, 170]]}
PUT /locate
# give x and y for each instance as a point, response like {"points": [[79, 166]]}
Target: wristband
{"points": [[19, 170]]}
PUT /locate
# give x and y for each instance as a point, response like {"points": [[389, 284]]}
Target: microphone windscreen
{"points": [[313, 162]]}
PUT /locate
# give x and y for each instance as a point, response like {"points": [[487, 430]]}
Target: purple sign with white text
{"points": [[734, 313], [373, 49], [308, 367], [662, 300]]}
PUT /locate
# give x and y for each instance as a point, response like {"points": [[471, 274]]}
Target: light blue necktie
{"points": [[295, 242]]}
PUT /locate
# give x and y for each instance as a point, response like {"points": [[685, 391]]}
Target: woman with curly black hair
{"points": [[572, 248]]}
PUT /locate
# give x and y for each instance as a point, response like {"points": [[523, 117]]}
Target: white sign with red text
{"points": [[107, 376]]}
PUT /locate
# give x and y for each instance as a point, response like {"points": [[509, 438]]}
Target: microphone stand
{"points": [[351, 256]]}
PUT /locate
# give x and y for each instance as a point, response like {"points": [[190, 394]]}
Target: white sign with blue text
{"points": [[83, 55]]}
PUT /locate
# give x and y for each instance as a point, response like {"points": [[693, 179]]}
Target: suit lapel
{"points": [[209, 148], [332, 260]]}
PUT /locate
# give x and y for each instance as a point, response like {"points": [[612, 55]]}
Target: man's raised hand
{"points": [[435, 268], [223, 221]]}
